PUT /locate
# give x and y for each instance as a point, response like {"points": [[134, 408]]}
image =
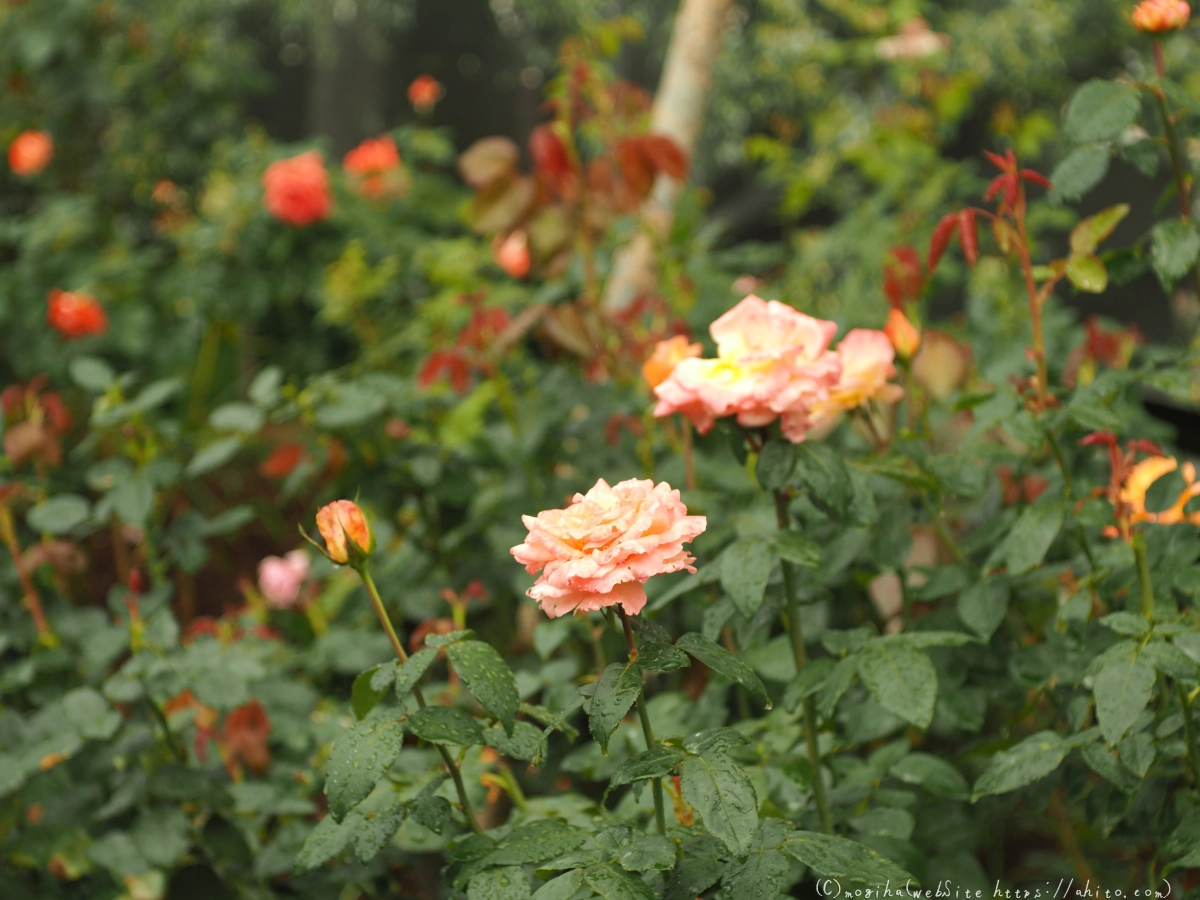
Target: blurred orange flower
{"points": [[30, 153], [75, 315]]}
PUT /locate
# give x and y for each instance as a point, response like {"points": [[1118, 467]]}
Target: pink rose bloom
{"points": [[280, 578], [867, 363], [599, 550], [772, 363]]}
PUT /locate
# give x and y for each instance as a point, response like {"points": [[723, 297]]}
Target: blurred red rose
{"points": [[373, 163], [75, 315], [296, 190], [424, 93], [30, 152]]}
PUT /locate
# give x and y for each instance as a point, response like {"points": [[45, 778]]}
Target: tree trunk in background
{"points": [[345, 100], [679, 107]]}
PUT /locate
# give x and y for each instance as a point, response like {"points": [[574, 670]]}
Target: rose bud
{"points": [[1161, 16], [905, 336], [347, 536]]}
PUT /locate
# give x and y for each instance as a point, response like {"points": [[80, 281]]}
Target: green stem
{"points": [[1062, 464], [398, 647], [1143, 567], [1181, 185], [1189, 733], [935, 517], [660, 818], [796, 630]]}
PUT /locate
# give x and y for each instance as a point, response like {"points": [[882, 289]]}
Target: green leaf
{"points": [[1172, 661], [504, 883], [901, 678], [1137, 753], [1174, 246], [445, 725], [92, 374], [213, 456], [444, 640], [1101, 761], [1087, 274], [408, 674], [983, 606], [745, 568], [717, 788], [836, 857], [1032, 759], [1088, 234], [1100, 111], [1122, 688], [825, 477], [133, 499], [323, 843], [797, 549], [58, 515], [431, 811], [722, 661], [369, 689], [616, 692], [775, 463], [538, 841], [1027, 543], [522, 744], [1081, 170], [659, 657], [564, 887], [613, 883], [489, 679], [807, 682], [358, 760], [162, 835], [264, 389], [764, 873], [636, 851], [89, 712], [692, 877], [836, 684], [241, 417], [934, 774], [1125, 622], [659, 760]]}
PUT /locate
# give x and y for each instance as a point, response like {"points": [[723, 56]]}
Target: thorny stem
{"points": [[796, 630], [398, 647], [1189, 733], [1143, 567], [660, 818], [33, 602]]}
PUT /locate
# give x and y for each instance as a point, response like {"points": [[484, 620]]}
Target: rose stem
{"points": [[373, 593], [689, 465], [647, 732], [33, 602], [801, 656]]}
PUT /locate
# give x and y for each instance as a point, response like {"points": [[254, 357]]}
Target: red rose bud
{"points": [[296, 190], [30, 152], [1161, 16], [905, 336], [424, 93], [345, 530], [512, 253], [75, 315]]}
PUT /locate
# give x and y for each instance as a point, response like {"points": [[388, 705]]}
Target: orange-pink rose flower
{"points": [[296, 190], [867, 363], [424, 93], [30, 152], [666, 356], [1161, 16], [601, 549], [772, 363], [512, 253], [340, 522]]}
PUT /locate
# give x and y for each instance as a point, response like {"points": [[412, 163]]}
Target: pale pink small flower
{"points": [[868, 359], [280, 578], [601, 549], [772, 363]]}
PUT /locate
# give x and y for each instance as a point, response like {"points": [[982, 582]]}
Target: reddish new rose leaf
{"points": [[1036, 178], [903, 279], [968, 236], [665, 155], [940, 240]]}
